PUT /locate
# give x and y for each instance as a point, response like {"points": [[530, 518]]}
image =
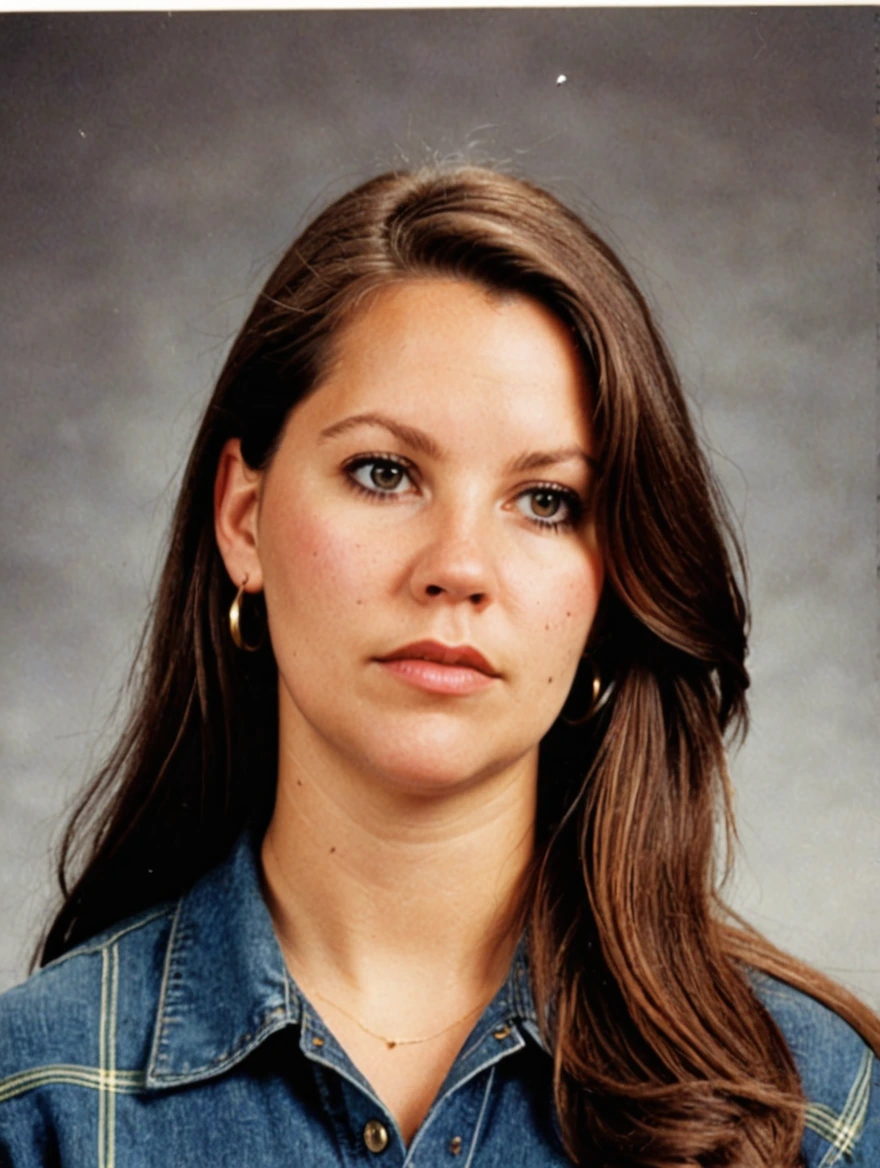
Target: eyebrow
{"points": [[418, 440], [412, 436]]}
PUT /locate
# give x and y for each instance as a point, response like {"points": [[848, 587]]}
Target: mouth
{"points": [[455, 670], [462, 656]]}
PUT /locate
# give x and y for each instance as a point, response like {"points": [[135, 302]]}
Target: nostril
{"points": [[477, 597], [433, 589]]}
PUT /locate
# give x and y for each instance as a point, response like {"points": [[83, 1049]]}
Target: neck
{"points": [[383, 900]]}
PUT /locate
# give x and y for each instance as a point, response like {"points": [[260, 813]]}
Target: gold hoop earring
{"points": [[598, 697], [235, 623]]}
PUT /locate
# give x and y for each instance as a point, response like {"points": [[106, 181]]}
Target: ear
{"points": [[236, 499]]}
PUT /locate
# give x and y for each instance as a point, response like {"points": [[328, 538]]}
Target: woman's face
{"points": [[424, 540]]}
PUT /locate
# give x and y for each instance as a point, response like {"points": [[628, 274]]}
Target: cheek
{"points": [[565, 615], [314, 568]]}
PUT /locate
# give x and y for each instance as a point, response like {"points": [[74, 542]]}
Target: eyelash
{"points": [[572, 502]]}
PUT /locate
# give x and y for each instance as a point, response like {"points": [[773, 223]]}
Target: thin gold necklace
{"points": [[389, 1042], [392, 1042]]}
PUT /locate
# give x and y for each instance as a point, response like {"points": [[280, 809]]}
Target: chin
{"points": [[432, 760]]}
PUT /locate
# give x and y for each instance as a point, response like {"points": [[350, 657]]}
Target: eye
{"points": [[379, 476], [551, 507]]}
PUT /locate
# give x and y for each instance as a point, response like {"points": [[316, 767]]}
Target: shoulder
{"points": [[839, 1073], [59, 1019]]}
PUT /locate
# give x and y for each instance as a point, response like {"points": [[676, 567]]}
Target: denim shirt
{"points": [[180, 1038]]}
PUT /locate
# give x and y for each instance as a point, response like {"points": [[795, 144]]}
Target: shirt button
{"points": [[375, 1136], [455, 1145], [501, 1033]]}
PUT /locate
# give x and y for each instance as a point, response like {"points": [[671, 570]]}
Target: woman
{"points": [[408, 849]]}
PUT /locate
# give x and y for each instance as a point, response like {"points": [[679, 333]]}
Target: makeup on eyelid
{"points": [[554, 493]]}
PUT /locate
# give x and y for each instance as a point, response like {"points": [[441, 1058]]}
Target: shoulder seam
{"points": [[90, 948]]}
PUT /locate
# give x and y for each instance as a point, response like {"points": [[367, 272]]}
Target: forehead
{"points": [[449, 355]]}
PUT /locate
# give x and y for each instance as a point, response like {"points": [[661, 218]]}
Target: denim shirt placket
{"points": [[450, 1131]]}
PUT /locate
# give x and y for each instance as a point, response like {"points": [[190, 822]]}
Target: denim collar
{"points": [[225, 986]]}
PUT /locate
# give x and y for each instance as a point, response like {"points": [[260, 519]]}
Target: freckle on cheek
{"points": [[549, 680]]}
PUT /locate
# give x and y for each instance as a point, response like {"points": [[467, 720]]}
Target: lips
{"points": [[464, 656]]}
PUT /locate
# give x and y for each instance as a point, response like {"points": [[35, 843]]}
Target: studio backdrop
{"points": [[156, 165]]}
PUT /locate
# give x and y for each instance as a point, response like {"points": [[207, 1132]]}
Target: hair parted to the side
{"points": [[663, 1055]]}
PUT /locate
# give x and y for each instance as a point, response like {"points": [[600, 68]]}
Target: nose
{"points": [[455, 562]]}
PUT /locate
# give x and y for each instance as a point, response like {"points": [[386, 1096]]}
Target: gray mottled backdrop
{"points": [[155, 165]]}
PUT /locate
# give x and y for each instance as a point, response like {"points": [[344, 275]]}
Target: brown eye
{"points": [[386, 476], [545, 504], [553, 508], [380, 476]]}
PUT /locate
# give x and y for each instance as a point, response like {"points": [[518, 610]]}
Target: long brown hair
{"points": [[663, 1055]]}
